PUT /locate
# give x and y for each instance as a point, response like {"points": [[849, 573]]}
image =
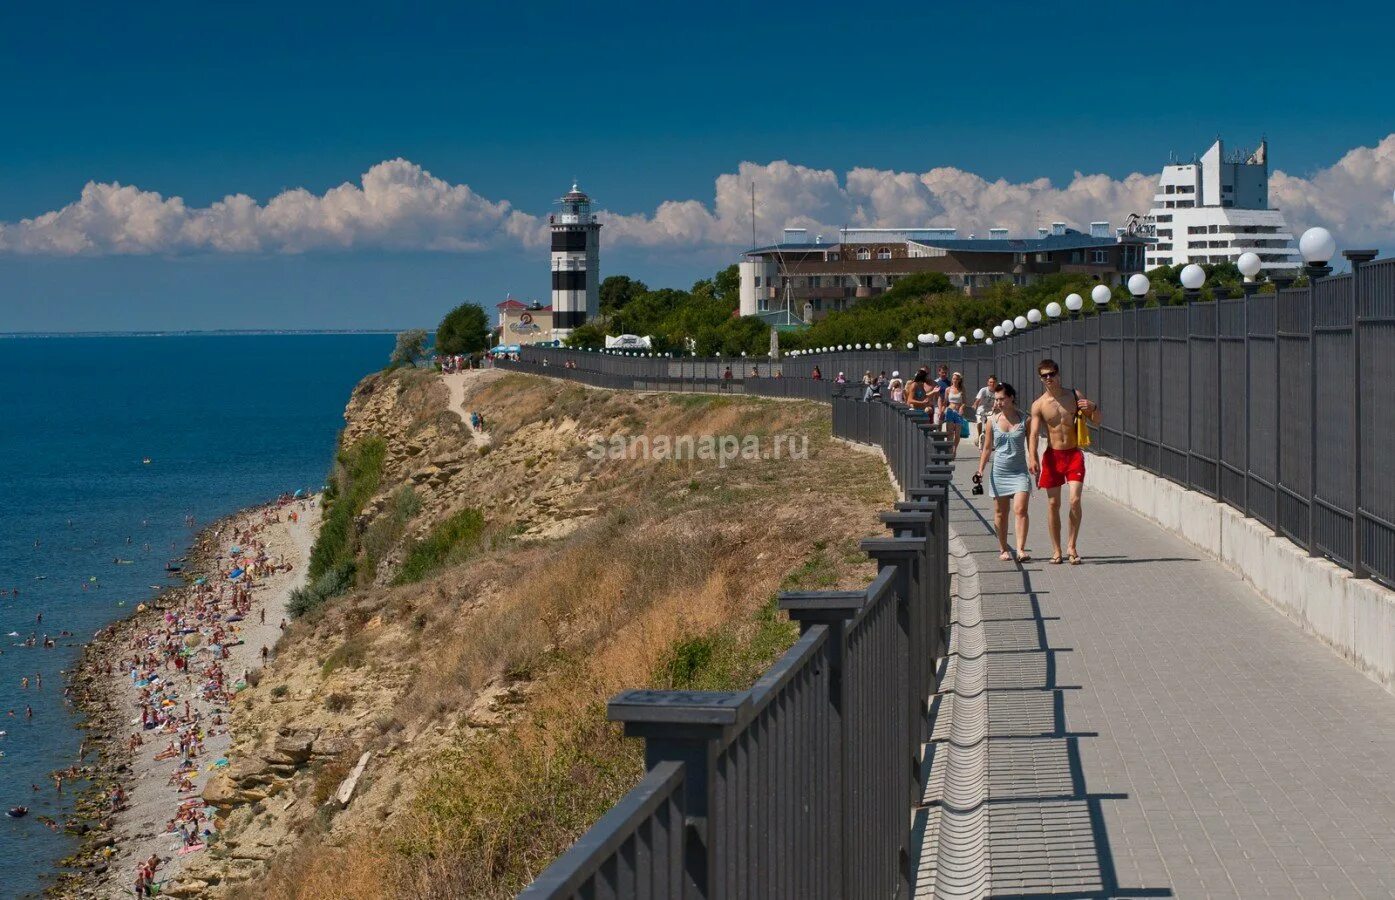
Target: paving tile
{"points": [[1252, 761]]}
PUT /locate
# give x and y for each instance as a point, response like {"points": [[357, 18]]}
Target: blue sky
{"points": [[645, 103]]}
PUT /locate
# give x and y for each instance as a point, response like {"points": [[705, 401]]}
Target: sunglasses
{"points": [[1046, 375]]}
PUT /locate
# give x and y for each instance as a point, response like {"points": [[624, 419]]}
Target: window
{"points": [[1077, 256], [1164, 218], [1164, 246], [1164, 232], [757, 281], [1185, 189], [1196, 229], [1170, 189], [1186, 204], [1042, 257], [1099, 257], [864, 253], [883, 253], [815, 281], [1169, 205]]}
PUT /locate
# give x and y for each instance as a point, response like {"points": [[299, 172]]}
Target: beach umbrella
{"points": [[192, 640]]}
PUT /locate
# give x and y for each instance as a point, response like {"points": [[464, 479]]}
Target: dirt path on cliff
{"points": [[140, 830], [458, 383]]}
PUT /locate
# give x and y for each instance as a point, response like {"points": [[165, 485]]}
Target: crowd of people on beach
{"points": [[177, 661]]}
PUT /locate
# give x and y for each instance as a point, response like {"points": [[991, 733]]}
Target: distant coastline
{"points": [[237, 332]]}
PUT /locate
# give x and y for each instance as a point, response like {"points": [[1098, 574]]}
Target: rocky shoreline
{"points": [[102, 692]]}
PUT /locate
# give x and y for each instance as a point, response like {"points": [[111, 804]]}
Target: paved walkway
{"points": [[1156, 729]]}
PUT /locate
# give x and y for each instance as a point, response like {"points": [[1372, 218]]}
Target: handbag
{"points": [[1082, 425], [963, 428]]}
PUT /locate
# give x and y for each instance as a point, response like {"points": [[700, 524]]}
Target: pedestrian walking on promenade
{"points": [[983, 408], [1009, 484], [1064, 415]]}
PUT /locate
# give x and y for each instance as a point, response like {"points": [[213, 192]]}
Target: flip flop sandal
{"points": [[1005, 556], [1056, 560], [1075, 559], [1024, 559]]}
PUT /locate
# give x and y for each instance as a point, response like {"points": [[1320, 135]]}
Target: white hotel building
{"points": [[1214, 209]]}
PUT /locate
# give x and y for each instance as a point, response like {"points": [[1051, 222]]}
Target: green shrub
{"points": [[450, 542], [330, 584], [357, 474]]}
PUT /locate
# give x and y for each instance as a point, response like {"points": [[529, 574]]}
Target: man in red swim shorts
{"points": [[1063, 463]]}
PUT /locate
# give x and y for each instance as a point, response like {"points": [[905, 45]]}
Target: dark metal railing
{"points": [[1265, 402], [801, 786]]}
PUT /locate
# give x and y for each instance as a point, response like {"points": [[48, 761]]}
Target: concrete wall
{"points": [[1353, 616]]}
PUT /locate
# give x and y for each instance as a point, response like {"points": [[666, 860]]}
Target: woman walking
{"points": [[1008, 481], [954, 411]]}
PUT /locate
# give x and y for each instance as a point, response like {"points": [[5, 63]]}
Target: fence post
{"points": [[1314, 273], [1248, 289], [1357, 258], [690, 727], [1281, 284], [833, 609]]}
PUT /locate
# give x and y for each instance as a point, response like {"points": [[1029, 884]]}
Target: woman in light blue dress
{"points": [[1008, 481]]}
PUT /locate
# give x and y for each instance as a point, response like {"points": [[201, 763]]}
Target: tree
{"points": [[410, 346], [590, 335], [463, 330], [617, 291]]}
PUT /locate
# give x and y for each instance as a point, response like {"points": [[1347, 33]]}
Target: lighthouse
{"points": [[576, 263]]}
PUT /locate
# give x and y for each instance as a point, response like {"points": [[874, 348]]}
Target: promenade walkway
{"points": [[1156, 729]]}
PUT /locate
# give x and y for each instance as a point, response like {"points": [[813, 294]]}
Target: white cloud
{"points": [[396, 205], [399, 205]]}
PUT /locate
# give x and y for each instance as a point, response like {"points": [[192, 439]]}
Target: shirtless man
{"points": [[1055, 412]]}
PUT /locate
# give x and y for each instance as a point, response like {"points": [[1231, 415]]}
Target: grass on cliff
{"points": [[448, 543], [357, 474]]}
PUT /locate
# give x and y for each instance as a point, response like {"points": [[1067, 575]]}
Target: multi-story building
{"points": [[810, 280], [1215, 208]]}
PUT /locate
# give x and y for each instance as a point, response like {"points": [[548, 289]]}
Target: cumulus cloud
{"points": [[396, 205], [399, 205]]}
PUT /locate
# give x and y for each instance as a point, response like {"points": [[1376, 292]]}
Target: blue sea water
{"points": [[226, 421]]}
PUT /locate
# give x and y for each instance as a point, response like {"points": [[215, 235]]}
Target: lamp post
{"points": [[1073, 303], [1138, 287], [1318, 248], [1193, 277]]}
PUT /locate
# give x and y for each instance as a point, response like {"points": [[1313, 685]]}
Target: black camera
{"points": [[978, 485]]}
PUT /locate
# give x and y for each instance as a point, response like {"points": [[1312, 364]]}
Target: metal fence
{"points": [[802, 786], [1267, 402]]}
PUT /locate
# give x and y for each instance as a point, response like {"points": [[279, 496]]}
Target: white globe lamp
{"points": [[978, 334], [1008, 327], [1139, 285], [998, 331], [1074, 302], [1193, 277], [1020, 323], [1317, 246], [1053, 309], [949, 337], [1101, 294], [1034, 316], [1249, 265], [988, 340]]}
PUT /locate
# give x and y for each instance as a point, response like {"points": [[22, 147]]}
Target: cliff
{"points": [[432, 722]]}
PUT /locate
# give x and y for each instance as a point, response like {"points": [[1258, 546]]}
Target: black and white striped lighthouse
{"points": [[576, 263]]}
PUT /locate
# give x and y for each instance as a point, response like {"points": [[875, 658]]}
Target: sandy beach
{"points": [[166, 675]]}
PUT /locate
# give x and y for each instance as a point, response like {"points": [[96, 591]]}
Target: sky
{"points": [[312, 165]]}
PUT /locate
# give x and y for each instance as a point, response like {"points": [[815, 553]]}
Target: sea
{"points": [[114, 451]]}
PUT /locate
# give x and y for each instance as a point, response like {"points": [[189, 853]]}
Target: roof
{"points": [[1072, 240], [516, 304]]}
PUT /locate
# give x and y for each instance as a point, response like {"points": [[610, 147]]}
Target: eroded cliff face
{"points": [[505, 583]]}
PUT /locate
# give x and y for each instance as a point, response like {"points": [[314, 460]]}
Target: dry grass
{"points": [[669, 587]]}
